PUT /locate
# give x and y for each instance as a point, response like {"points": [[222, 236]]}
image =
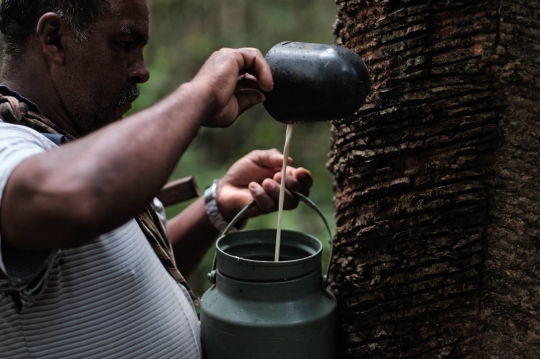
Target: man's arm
{"points": [[67, 196], [254, 177]]}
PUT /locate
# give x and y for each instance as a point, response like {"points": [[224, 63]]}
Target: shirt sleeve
{"points": [[18, 143]]}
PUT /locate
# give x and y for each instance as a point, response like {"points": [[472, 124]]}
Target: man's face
{"points": [[98, 83]]}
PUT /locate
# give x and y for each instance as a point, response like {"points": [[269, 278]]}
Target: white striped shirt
{"points": [[111, 298]]}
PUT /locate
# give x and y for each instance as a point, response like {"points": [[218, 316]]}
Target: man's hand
{"points": [[257, 176], [232, 80]]}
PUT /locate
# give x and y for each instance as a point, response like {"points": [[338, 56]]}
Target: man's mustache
{"points": [[129, 94]]}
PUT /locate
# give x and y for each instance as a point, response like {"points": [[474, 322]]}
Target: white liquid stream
{"points": [[288, 137]]}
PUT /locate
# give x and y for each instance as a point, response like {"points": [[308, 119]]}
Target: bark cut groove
{"points": [[437, 248]]}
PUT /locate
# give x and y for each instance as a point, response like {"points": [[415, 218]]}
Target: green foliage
{"points": [[183, 35]]}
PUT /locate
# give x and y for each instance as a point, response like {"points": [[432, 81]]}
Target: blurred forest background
{"points": [[183, 35]]}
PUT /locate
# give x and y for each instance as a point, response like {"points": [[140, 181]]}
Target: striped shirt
{"points": [[111, 298]]}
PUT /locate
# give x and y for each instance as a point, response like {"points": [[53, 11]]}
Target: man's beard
{"points": [[129, 94], [90, 117], [106, 116]]}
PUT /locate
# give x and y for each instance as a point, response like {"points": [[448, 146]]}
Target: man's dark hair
{"points": [[19, 18]]}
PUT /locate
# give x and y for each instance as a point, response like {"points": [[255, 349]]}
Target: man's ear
{"points": [[52, 32]]}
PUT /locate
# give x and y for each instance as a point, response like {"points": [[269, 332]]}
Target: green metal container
{"points": [[261, 309]]}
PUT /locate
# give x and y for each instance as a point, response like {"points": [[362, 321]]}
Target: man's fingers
{"points": [[255, 61], [265, 203], [247, 81], [268, 158], [248, 98], [272, 188], [304, 177], [267, 195], [298, 180], [223, 78], [301, 174], [290, 201]]}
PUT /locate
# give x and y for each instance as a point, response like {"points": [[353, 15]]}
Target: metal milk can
{"points": [[261, 309]]}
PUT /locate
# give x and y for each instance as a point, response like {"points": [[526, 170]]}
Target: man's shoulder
{"points": [[16, 134]]}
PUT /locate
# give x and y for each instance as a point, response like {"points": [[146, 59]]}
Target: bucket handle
{"points": [[302, 198]]}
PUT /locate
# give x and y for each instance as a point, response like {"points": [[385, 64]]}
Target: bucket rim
{"points": [[270, 263], [238, 255]]}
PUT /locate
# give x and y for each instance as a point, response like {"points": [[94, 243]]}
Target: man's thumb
{"points": [[247, 98]]}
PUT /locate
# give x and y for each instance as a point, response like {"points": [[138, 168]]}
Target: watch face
{"points": [[212, 210]]}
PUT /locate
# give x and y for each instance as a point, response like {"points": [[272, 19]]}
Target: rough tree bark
{"points": [[437, 179]]}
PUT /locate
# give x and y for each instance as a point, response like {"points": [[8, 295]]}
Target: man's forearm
{"points": [[65, 197], [93, 185]]}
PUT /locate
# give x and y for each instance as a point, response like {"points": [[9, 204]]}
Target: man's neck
{"points": [[40, 90]]}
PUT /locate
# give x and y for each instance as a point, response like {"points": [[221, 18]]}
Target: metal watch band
{"points": [[212, 210]]}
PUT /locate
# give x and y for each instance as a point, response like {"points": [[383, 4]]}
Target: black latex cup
{"points": [[315, 82]]}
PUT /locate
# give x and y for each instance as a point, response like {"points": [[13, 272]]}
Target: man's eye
{"points": [[125, 45]]}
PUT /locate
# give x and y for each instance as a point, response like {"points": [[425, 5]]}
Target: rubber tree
{"points": [[437, 181]]}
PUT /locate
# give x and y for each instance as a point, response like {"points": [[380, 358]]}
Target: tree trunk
{"points": [[437, 251]]}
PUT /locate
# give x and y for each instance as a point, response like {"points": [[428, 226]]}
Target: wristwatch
{"points": [[212, 210]]}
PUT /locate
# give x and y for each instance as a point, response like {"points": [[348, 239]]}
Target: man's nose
{"points": [[138, 72]]}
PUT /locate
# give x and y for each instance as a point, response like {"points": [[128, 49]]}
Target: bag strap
{"points": [[16, 112]]}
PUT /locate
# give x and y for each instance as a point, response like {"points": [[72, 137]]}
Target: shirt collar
{"points": [[5, 90]]}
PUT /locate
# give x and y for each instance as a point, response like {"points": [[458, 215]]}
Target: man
{"points": [[85, 269]]}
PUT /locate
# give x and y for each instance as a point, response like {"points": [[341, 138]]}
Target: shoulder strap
{"points": [[11, 110], [15, 112]]}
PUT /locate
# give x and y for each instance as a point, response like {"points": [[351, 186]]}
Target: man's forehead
{"points": [[131, 15]]}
